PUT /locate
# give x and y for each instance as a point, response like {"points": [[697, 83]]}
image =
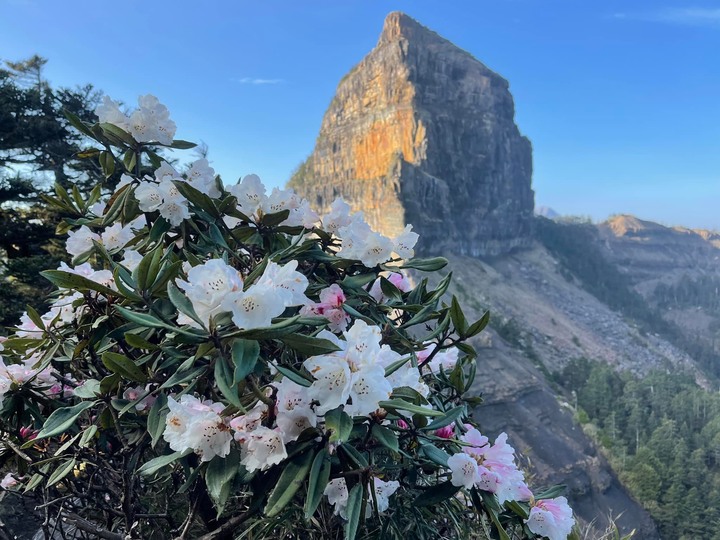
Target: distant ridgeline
{"points": [[591, 255]]}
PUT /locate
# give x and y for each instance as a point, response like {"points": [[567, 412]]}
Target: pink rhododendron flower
{"points": [[330, 307], [9, 481], [551, 518]]}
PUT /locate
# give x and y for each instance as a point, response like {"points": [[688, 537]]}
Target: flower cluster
{"points": [[233, 346], [150, 122], [216, 287]]}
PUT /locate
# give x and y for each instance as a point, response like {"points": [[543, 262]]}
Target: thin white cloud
{"points": [[255, 80], [690, 16]]}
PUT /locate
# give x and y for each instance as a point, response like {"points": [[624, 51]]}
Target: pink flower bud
{"points": [[28, 433], [447, 432], [402, 424]]}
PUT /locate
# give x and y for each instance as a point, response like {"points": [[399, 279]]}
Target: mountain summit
{"points": [[421, 132]]}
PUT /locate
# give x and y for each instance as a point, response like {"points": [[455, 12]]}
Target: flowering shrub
{"points": [[219, 362]]}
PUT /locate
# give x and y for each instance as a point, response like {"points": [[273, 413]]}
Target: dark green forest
{"points": [[662, 433]]}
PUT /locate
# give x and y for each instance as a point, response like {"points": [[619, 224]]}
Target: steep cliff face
{"points": [[421, 132]]}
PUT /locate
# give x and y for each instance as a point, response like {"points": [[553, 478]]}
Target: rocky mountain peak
{"points": [[421, 132]]}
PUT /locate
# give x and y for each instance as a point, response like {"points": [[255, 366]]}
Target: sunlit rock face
{"points": [[421, 132]]}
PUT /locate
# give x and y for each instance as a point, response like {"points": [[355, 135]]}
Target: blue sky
{"points": [[621, 99]]}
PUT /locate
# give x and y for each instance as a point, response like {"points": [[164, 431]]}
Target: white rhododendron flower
{"points": [[338, 217], [404, 243], [337, 494], [278, 288], [354, 373], [290, 283], [256, 307], [149, 123], [263, 449], [464, 470], [253, 202], [197, 425], [201, 176], [108, 112], [250, 194], [551, 518], [207, 286], [81, 241], [245, 424], [131, 259], [383, 491], [445, 359], [116, 236], [148, 196]]}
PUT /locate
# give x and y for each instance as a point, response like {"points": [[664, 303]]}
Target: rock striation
{"points": [[421, 132]]}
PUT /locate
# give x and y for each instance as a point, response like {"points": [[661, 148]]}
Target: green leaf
{"points": [[319, 477], [478, 326], [225, 381], [294, 375], [180, 377], [354, 510], [448, 418], [202, 201], [146, 272], [129, 160], [146, 320], [289, 483], [552, 492], [87, 436], [219, 477], [78, 124], [181, 302], [435, 454], [458, 317], [107, 162], [436, 494], [112, 131], [271, 220], [159, 462], [309, 346], [62, 419], [68, 280], [115, 205], [182, 145], [426, 265], [89, 389], [518, 509], [61, 472], [138, 342], [245, 354], [395, 405], [124, 366], [502, 534], [156, 418], [354, 455], [386, 437], [339, 423]]}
